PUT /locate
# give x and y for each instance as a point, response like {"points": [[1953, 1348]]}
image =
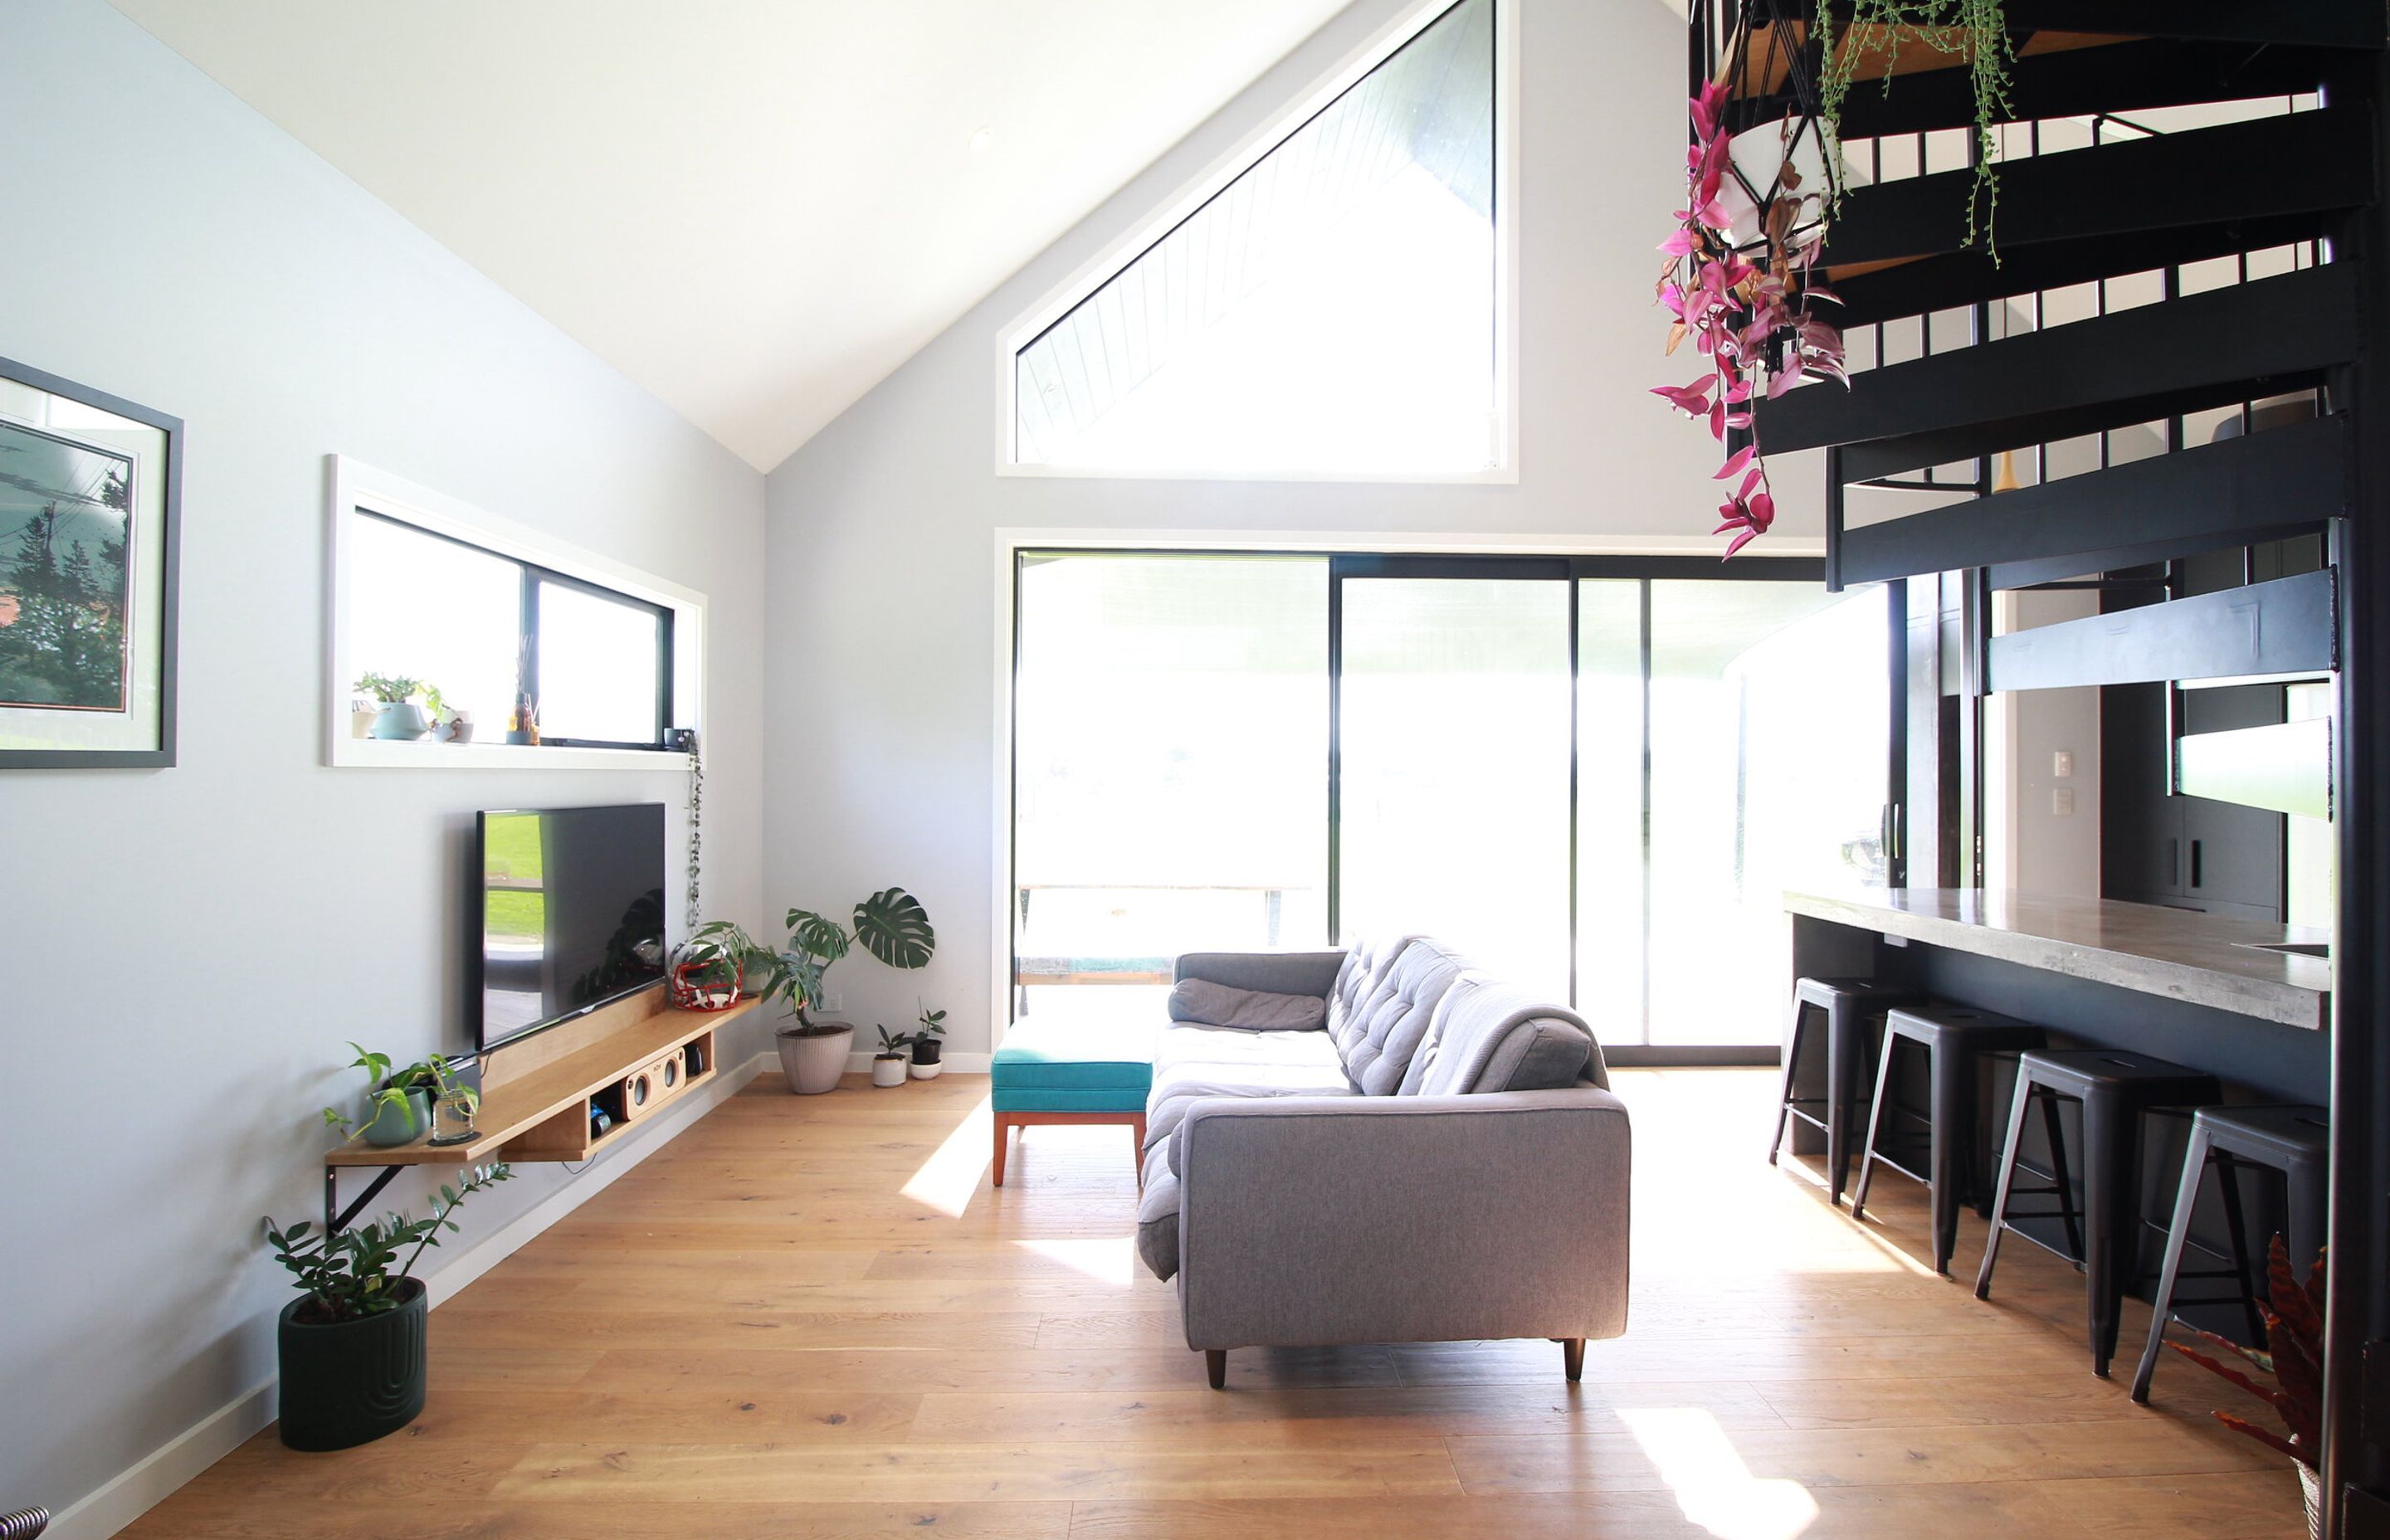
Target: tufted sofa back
{"points": [[1387, 1031]]}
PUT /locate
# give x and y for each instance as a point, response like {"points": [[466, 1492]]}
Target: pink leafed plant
{"points": [[1746, 310], [2294, 1358]]}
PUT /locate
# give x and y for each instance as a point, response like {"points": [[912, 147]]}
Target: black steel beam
{"points": [[2261, 486], [2298, 162], [2133, 75], [2135, 365], [2284, 626], [2298, 23], [1931, 284]]}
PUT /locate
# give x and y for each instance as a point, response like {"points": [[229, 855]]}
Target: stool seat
{"points": [[1954, 1038], [2152, 1081], [2291, 1139], [2114, 1088]]}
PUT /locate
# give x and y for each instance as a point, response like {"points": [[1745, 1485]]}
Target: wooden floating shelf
{"points": [[536, 1094]]}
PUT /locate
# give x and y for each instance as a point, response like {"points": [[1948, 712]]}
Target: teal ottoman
{"points": [[1050, 1072]]}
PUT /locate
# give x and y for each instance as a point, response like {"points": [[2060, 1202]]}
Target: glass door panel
{"points": [[1769, 720], [1612, 886], [1170, 753], [1453, 735]]}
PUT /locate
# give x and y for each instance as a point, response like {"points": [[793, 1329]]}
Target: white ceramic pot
{"points": [[814, 1061], [887, 1072], [925, 1072], [1760, 156]]}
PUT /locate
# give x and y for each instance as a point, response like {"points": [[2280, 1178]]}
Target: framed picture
{"points": [[90, 513]]}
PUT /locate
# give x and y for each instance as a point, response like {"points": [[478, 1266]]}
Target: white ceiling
{"points": [[757, 209]]}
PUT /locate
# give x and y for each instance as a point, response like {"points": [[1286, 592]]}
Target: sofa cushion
{"points": [[1365, 967], [1193, 1061], [1391, 1023], [1493, 1037], [1157, 1216], [1219, 1005], [1277, 972], [1048, 1066]]}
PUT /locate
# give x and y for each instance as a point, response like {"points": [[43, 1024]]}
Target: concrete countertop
{"points": [[2179, 953]]}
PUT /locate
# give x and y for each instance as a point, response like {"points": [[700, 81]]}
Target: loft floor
{"points": [[808, 1318]]}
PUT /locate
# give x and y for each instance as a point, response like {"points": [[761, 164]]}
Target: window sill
{"points": [[380, 753]]}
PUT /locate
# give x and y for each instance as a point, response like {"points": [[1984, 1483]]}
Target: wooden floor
{"points": [[813, 1317]]}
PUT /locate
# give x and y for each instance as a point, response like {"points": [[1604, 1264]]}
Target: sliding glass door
{"points": [[1453, 752], [1597, 778]]}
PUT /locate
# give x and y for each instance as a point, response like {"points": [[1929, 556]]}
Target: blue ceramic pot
{"points": [[391, 1125], [402, 719]]}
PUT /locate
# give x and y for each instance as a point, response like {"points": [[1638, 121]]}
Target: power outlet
{"points": [[832, 1001], [2061, 764], [2061, 801]]}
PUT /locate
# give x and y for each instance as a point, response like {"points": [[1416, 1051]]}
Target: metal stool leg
{"points": [[2236, 1233], [2054, 1128], [1875, 1122], [1792, 1068], [2018, 1108], [2194, 1166]]}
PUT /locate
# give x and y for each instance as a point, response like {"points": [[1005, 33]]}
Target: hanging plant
{"points": [[1738, 284], [1974, 31]]}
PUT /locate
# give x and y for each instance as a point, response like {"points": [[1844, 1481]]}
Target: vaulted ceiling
{"points": [[755, 208]]}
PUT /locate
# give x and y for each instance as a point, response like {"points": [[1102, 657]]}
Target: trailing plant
{"points": [[388, 1088], [356, 1272], [1750, 319], [1975, 31], [2294, 1358], [891, 925]]}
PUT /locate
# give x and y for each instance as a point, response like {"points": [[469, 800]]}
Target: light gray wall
{"points": [[880, 683], [184, 953]]}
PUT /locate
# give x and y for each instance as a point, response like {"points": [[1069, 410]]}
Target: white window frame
{"points": [[1101, 270], [355, 489]]}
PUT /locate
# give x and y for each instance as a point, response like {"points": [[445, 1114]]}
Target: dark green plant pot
{"points": [[350, 1382]]}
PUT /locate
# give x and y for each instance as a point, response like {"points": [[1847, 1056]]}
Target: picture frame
{"points": [[90, 562]]}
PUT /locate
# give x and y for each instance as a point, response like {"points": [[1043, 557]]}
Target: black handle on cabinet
{"points": [[2196, 864]]}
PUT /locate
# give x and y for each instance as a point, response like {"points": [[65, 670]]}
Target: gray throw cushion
{"points": [[1278, 972], [1219, 1005], [1492, 1036]]}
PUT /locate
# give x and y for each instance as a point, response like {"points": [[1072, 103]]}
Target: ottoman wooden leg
{"points": [[1003, 1143]]}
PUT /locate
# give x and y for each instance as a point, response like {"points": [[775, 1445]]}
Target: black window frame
{"points": [[530, 575], [1574, 569]]}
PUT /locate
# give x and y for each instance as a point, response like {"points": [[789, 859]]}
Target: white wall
{"points": [[2028, 844], [882, 721], [184, 953]]}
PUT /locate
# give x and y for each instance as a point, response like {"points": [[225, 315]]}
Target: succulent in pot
{"points": [[400, 716]]}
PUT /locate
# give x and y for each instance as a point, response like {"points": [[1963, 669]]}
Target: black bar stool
{"points": [[1953, 1038], [2293, 1140], [2116, 1089], [1846, 1006]]}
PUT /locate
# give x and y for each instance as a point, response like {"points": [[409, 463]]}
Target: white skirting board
{"points": [[147, 1485]]}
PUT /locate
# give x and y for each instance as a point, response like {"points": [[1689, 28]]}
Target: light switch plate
{"points": [[2061, 764]]}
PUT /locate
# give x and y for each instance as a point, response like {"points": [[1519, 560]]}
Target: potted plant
{"points": [[888, 1064], [398, 1102], [400, 716], [926, 1047], [352, 1344], [891, 926], [2294, 1358], [759, 966]]}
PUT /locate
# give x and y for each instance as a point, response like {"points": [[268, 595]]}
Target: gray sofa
{"points": [[1443, 1161]]}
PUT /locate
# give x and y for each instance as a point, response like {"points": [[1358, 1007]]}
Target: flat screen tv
{"points": [[572, 906]]}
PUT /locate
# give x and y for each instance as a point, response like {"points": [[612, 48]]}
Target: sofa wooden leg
{"points": [[1003, 1144], [1136, 1150], [1573, 1357], [1216, 1366]]}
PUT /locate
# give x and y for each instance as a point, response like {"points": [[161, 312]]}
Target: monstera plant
{"points": [[891, 925]]}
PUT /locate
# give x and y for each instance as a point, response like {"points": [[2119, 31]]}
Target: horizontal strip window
{"points": [[515, 652]]}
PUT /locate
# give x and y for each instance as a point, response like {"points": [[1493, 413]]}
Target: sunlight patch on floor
{"points": [[949, 1178], [1111, 1261], [1712, 1486]]}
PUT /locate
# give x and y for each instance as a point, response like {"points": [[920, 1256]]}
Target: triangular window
{"points": [[1334, 310]]}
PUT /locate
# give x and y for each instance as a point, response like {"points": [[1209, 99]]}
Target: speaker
{"points": [[641, 1094]]}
